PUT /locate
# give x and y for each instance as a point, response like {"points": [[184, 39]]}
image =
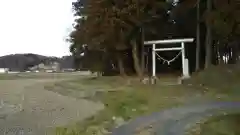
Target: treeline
{"points": [[111, 33]]}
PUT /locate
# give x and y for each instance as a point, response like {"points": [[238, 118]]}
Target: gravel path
{"points": [[27, 109], [175, 121]]}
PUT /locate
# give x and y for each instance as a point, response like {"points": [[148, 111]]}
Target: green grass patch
{"points": [[123, 105], [220, 125]]}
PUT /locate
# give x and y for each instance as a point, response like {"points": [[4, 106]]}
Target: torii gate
{"points": [[185, 66]]}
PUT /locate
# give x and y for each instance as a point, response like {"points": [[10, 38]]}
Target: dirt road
{"points": [[26, 108]]}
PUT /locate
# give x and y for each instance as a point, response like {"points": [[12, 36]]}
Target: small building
{"points": [[48, 67]]}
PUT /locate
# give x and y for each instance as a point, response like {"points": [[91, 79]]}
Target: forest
{"points": [[111, 33]]}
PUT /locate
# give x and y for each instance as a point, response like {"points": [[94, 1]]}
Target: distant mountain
{"points": [[22, 62]]}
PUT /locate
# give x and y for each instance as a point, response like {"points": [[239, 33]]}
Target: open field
{"points": [[26, 107], [126, 98], [23, 75]]}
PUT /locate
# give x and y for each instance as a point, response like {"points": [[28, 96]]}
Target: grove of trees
{"points": [[110, 33]]}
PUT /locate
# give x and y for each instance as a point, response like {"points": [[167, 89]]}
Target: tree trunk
{"points": [[216, 59], [208, 57], [136, 61], [121, 65], [142, 66], [142, 51], [198, 37]]}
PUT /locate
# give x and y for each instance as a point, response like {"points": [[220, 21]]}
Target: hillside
{"points": [[21, 62]]}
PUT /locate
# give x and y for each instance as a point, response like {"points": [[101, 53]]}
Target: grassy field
{"points": [[126, 98], [219, 125]]}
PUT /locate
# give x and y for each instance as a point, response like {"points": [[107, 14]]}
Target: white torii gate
{"points": [[185, 67]]}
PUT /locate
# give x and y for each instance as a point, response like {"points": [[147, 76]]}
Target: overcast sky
{"points": [[35, 26]]}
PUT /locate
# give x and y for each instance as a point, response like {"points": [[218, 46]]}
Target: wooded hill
{"points": [[22, 62]]}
